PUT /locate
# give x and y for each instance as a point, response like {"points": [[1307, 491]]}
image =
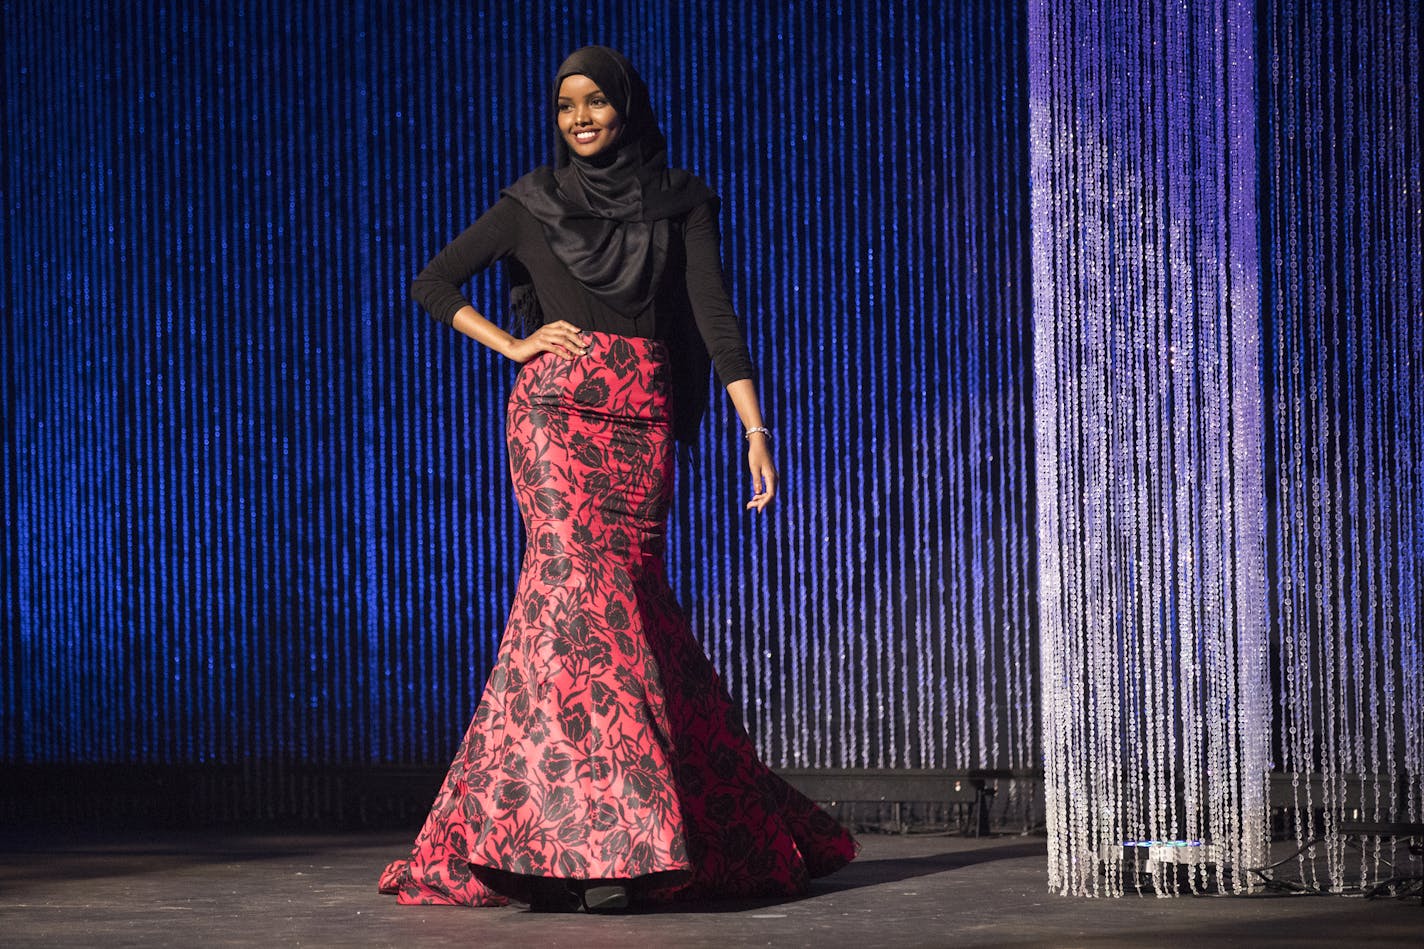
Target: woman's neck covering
{"points": [[605, 217]]}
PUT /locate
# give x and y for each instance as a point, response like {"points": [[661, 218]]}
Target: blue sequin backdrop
{"points": [[255, 502]]}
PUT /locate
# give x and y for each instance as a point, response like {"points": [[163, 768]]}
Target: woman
{"points": [[605, 760]]}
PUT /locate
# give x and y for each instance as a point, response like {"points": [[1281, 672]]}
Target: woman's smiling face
{"points": [[587, 120]]}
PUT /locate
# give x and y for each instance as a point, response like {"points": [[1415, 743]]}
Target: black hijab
{"points": [[607, 218]]}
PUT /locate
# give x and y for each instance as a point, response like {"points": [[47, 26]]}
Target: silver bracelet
{"points": [[760, 428]]}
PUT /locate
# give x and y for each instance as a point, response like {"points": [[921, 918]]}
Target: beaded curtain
{"points": [[1229, 478], [1343, 218], [256, 503], [1148, 409]]}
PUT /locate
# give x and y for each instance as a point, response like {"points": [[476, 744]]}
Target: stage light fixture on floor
{"points": [[1167, 866]]}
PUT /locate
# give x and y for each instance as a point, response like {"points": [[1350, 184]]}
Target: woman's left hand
{"points": [[763, 472]]}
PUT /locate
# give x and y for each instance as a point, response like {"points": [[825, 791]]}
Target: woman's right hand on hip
{"points": [[559, 337]]}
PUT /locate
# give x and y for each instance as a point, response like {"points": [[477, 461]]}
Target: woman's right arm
{"points": [[437, 288]]}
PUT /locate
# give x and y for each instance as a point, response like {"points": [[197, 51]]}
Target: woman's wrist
{"points": [[505, 346], [469, 322], [761, 430]]}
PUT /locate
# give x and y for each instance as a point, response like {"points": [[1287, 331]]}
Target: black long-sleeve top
{"points": [[507, 229]]}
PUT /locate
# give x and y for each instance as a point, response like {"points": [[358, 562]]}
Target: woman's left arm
{"points": [[744, 400], [717, 322]]}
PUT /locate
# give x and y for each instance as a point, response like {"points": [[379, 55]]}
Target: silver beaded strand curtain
{"points": [[255, 504], [1343, 225], [1148, 411]]}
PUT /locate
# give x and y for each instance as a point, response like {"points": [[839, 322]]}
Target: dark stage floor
{"points": [[215, 889]]}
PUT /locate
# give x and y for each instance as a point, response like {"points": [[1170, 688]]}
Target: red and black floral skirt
{"points": [[605, 746]]}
